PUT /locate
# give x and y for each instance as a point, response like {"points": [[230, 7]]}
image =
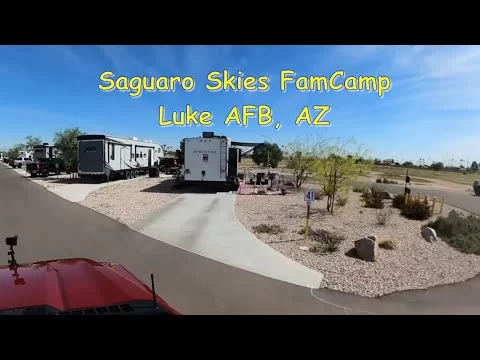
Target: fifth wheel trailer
{"points": [[104, 155], [212, 159]]}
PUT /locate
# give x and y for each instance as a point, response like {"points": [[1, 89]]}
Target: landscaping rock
{"points": [[454, 214], [373, 237], [304, 248], [429, 234], [367, 248], [385, 195]]}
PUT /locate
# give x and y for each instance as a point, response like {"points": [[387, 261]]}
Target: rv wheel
{"points": [[127, 175], [137, 173]]}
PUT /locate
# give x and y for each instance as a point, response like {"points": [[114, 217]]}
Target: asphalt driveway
{"points": [[50, 227]]}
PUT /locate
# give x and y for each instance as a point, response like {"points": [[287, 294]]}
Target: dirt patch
{"points": [[129, 202]]}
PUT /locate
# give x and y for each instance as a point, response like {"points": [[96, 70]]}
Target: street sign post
{"points": [[308, 197]]}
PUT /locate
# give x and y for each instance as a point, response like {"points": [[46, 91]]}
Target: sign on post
{"points": [[308, 196]]}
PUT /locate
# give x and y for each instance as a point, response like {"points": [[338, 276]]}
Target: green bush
{"points": [[373, 199], [398, 201], [386, 181], [378, 180], [416, 209], [462, 234], [325, 241], [341, 200], [358, 188]]}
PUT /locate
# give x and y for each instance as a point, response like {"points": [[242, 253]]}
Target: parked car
{"points": [[476, 187], [44, 167], [75, 286], [21, 161]]}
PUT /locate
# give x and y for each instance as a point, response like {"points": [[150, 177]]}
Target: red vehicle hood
{"points": [[69, 284]]}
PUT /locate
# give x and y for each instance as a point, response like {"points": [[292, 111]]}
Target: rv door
{"points": [[149, 157], [122, 158]]}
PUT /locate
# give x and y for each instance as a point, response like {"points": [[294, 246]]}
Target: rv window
{"points": [[141, 154], [112, 156], [136, 156]]}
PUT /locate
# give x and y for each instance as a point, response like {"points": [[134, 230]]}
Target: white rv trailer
{"points": [[211, 159], [99, 155]]}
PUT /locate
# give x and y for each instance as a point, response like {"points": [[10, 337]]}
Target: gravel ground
{"points": [[127, 203], [415, 264]]}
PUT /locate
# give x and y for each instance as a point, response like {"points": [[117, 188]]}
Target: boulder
{"points": [[455, 214], [385, 195], [367, 248], [373, 237], [429, 234]]}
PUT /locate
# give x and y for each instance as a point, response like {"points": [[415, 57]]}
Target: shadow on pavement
{"points": [[168, 186]]}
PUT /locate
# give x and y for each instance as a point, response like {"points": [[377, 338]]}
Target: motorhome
{"points": [[113, 156]]}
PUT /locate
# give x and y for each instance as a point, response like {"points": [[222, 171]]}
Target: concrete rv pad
{"points": [[206, 224]]}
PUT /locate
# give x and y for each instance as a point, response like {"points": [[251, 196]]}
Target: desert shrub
{"points": [[341, 200], [392, 182], [398, 201], [383, 215], [324, 241], [386, 181], [319, 195], [358, 188], [378, 180], [388, 244], [373, 199], [267, 229], [462, 234], [416, 209]]}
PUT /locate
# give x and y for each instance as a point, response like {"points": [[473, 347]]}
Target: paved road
{"points": [[50, 227], [465, 200]]}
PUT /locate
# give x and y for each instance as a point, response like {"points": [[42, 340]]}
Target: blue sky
{"points": [[431, 110]]}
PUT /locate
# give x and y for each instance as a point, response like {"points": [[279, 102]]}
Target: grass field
{"points": [[398, 173]]}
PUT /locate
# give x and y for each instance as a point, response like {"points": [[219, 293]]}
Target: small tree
{"points": [[15, 150], [305, 152], [66, 143], [268, 154], [180, 154], [31, 141], [437, 166], [336, 170], [474, 166]]}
